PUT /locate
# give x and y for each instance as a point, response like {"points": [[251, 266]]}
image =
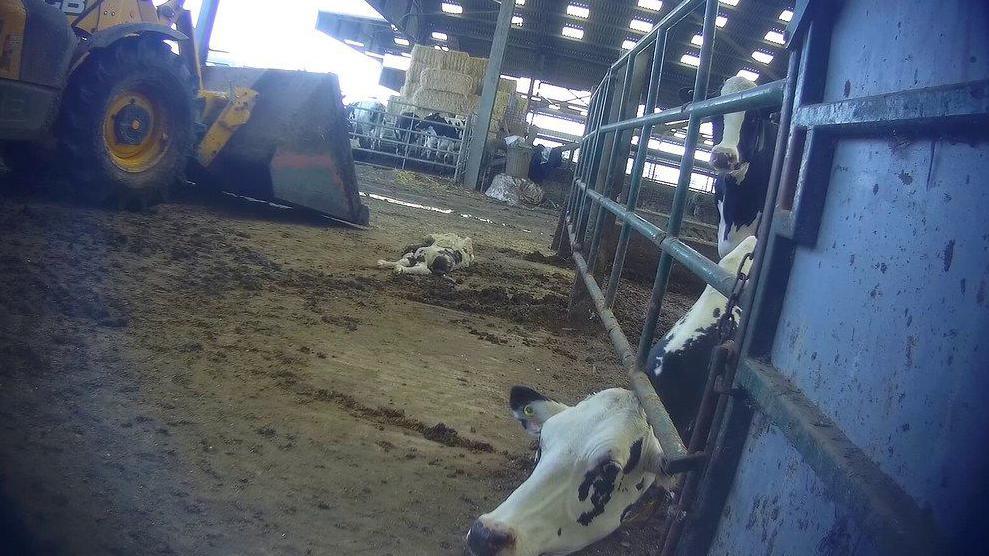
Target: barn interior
{"points": [[200, 352]]}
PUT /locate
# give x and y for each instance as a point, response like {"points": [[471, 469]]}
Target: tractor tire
{"points": [[126, 129]]}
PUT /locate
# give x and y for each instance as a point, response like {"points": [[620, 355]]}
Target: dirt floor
{"points": [[223, 377]]}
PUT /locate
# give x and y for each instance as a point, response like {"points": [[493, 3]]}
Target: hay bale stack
{"points": [[476, 67], [441, 101], [428, 56], [446, 80], [454, 60], [506, 85]]}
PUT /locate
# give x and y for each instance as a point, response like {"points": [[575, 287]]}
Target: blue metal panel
{"points": [[884, 323], [882, 47], [780, 507], [885, 318]]}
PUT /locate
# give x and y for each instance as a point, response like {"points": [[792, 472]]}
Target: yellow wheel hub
{"points": [[135, 131]]}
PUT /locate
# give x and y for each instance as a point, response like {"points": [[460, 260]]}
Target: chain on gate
{"points": [[727, 326]]}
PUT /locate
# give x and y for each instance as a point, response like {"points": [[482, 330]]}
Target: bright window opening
{"points": [[786, 15], [654, 5], [578, 11], [729, 2], [774, 36], [763, 57], [451, 8], [519, 2], [401, 41], [750, 75], [690, 60], [628, 44], [517, 20], [573, 32], [721, 21], [697, 40], [397, 62], [439, 36], [640, 25]]}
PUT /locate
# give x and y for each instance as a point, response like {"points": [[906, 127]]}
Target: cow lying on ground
{"points": [[596, 459], [436, 254], [742, 156]]}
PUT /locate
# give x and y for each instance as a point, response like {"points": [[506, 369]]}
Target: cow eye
{"points": [[529, 411]]}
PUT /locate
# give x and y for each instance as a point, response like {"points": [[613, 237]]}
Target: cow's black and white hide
{"points": [[366, 117], [742, 156], [678, 363], [595, 461], [437, 254], [442, 137], [543, 161]]}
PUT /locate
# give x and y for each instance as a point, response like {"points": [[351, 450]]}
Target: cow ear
{"points": [[532, 409]]}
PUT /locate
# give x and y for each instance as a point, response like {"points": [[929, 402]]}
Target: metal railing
{"points": [[591, 198], [884, 509], [405, 138]]}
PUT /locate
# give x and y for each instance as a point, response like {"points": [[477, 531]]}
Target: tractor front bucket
{"points": [[294, 148]]}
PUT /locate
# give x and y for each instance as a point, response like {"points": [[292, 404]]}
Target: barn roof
{"points": [[537, 46]]}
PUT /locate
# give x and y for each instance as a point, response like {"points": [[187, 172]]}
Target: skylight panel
{"points": [[571, 32], [750, 75], [401, 41], [786, 15], [775, 37], [640, 25], [697, 40], [729, 2], [451, 8], [439, 36], [654, 5], [578, 11], [517, 20], [763, 57], [690, 60], [721, 21]]}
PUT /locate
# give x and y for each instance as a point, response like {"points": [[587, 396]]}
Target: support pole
{"points": [[499, 42], [204, 28]]}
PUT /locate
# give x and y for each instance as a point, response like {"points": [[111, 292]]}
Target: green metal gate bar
{"points": [[796, 180], [589, 200]]}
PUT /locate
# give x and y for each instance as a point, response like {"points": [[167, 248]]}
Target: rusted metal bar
{"points": [[675, 458], [632, 199], [683, 183]]}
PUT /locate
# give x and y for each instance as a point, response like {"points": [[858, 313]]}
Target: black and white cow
{"points": [[366, 117], [595, 461], [442, 137], [742, 156], [678, 362], [436, 254], [598, 458]]}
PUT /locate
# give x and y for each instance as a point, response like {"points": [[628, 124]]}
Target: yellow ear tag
{"points": [[529, 412]]}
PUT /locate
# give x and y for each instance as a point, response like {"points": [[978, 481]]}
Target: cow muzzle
{"points": [[483, 540], [724, 160]]}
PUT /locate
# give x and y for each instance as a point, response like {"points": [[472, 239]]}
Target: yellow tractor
{"points": [[118, 87]]}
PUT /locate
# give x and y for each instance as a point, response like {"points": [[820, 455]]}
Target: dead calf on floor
{"points": [[437, 254]]}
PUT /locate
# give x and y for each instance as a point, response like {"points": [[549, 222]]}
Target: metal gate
{"points": [[404, 138], [742, 378]]}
